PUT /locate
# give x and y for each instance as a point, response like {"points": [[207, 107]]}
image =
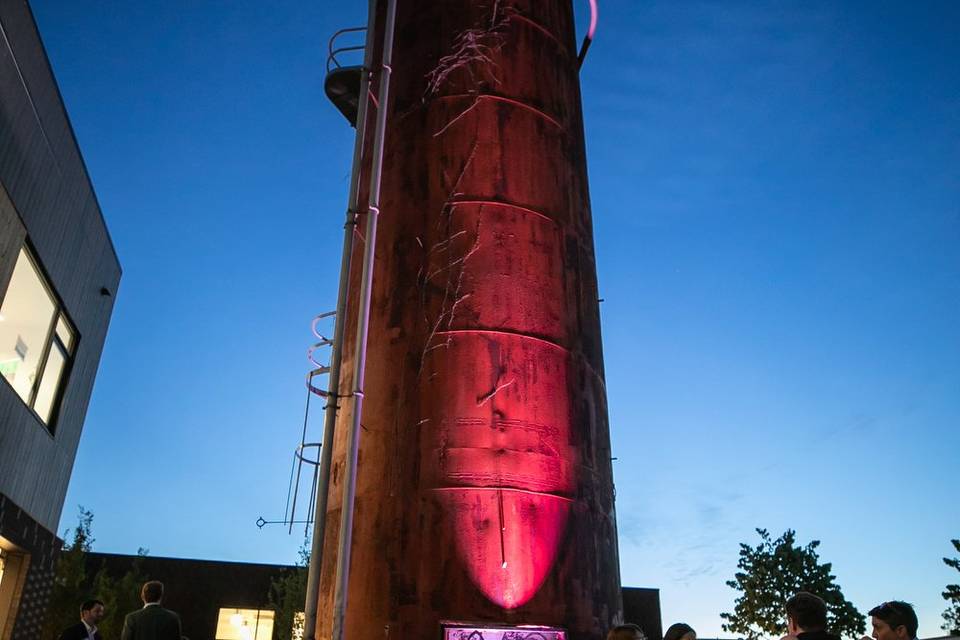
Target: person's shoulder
{"points": [[133, 615], [72, 631], [817, 635], [167, 613]]}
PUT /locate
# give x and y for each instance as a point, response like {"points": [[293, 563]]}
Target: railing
{"points": [[333, 50], [306, 453]]}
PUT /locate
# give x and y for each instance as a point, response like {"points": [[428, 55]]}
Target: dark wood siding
{"points": [[48, 199], [198, 589]]}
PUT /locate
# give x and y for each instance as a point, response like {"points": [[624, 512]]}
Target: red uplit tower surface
{"points": [[485, 486]]}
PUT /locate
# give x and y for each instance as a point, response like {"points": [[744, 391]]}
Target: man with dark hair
{"points": [[807, 618], [91, 613], [626, 632], [153, 622], [894, 620]]}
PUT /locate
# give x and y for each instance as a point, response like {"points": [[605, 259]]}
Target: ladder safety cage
{"points": [[307, 453]]}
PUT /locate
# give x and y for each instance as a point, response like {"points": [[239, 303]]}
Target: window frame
{"points": [[51, 339], [260, 613]]}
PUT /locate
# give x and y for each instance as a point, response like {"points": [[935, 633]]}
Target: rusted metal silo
{"points": [[484, 483]]}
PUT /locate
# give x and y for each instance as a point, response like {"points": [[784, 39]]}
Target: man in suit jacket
{"points": [[153, 622], [91, 613]]}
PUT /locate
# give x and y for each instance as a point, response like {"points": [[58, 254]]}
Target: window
{"points": [[245, 624], [37, 341], [299, 621]]}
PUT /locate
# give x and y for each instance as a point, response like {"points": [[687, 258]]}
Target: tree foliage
{"points": [[120, 595], [72, 584], [288, 593], [951, 616], [70, 578], [772, 572]]}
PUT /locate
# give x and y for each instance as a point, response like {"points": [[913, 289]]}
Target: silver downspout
{"points": [[336, 355], [363, 321]]}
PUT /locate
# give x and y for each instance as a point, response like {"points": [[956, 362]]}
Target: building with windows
{"points": [[220, 600], [216, 600], [58, 281]]}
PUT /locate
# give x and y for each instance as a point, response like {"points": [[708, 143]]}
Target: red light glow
{"points": [[501, 444], [507, 538]]}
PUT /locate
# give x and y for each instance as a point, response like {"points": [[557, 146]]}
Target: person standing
{"points": [[807, 618], [91, 613], [894, 620], [626, 632], [680, 631], [153, 622]]}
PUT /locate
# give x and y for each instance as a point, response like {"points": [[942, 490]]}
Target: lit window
{"points": [[4, 613], [12, 572], [245, 624], [37, 340], [299, 621]]}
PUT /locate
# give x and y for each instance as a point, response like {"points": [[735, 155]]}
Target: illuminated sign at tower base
{"points": [[457, 631]]}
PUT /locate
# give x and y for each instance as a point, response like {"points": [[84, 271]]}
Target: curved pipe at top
{"points": [[591, 30], [593, 19]]}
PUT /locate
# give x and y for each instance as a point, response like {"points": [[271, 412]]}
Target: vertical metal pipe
{"points": [[336, 355], [363, 320]]}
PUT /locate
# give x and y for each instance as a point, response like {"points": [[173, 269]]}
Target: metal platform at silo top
{"points": [[342, 84]]}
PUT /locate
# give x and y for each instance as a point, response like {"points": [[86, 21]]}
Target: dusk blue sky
{"points": [[776, 198]]}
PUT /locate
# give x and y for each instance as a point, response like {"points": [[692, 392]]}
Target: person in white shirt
{"points": [[91, 613]]}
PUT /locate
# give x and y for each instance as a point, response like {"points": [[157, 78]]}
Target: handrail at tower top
{"points": [[333, 50]]}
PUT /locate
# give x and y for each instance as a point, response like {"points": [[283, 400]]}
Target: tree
{"points": [[72, 585], [288, 593], [120, 596], [951, 616], [70, 578], [772, 572]]}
